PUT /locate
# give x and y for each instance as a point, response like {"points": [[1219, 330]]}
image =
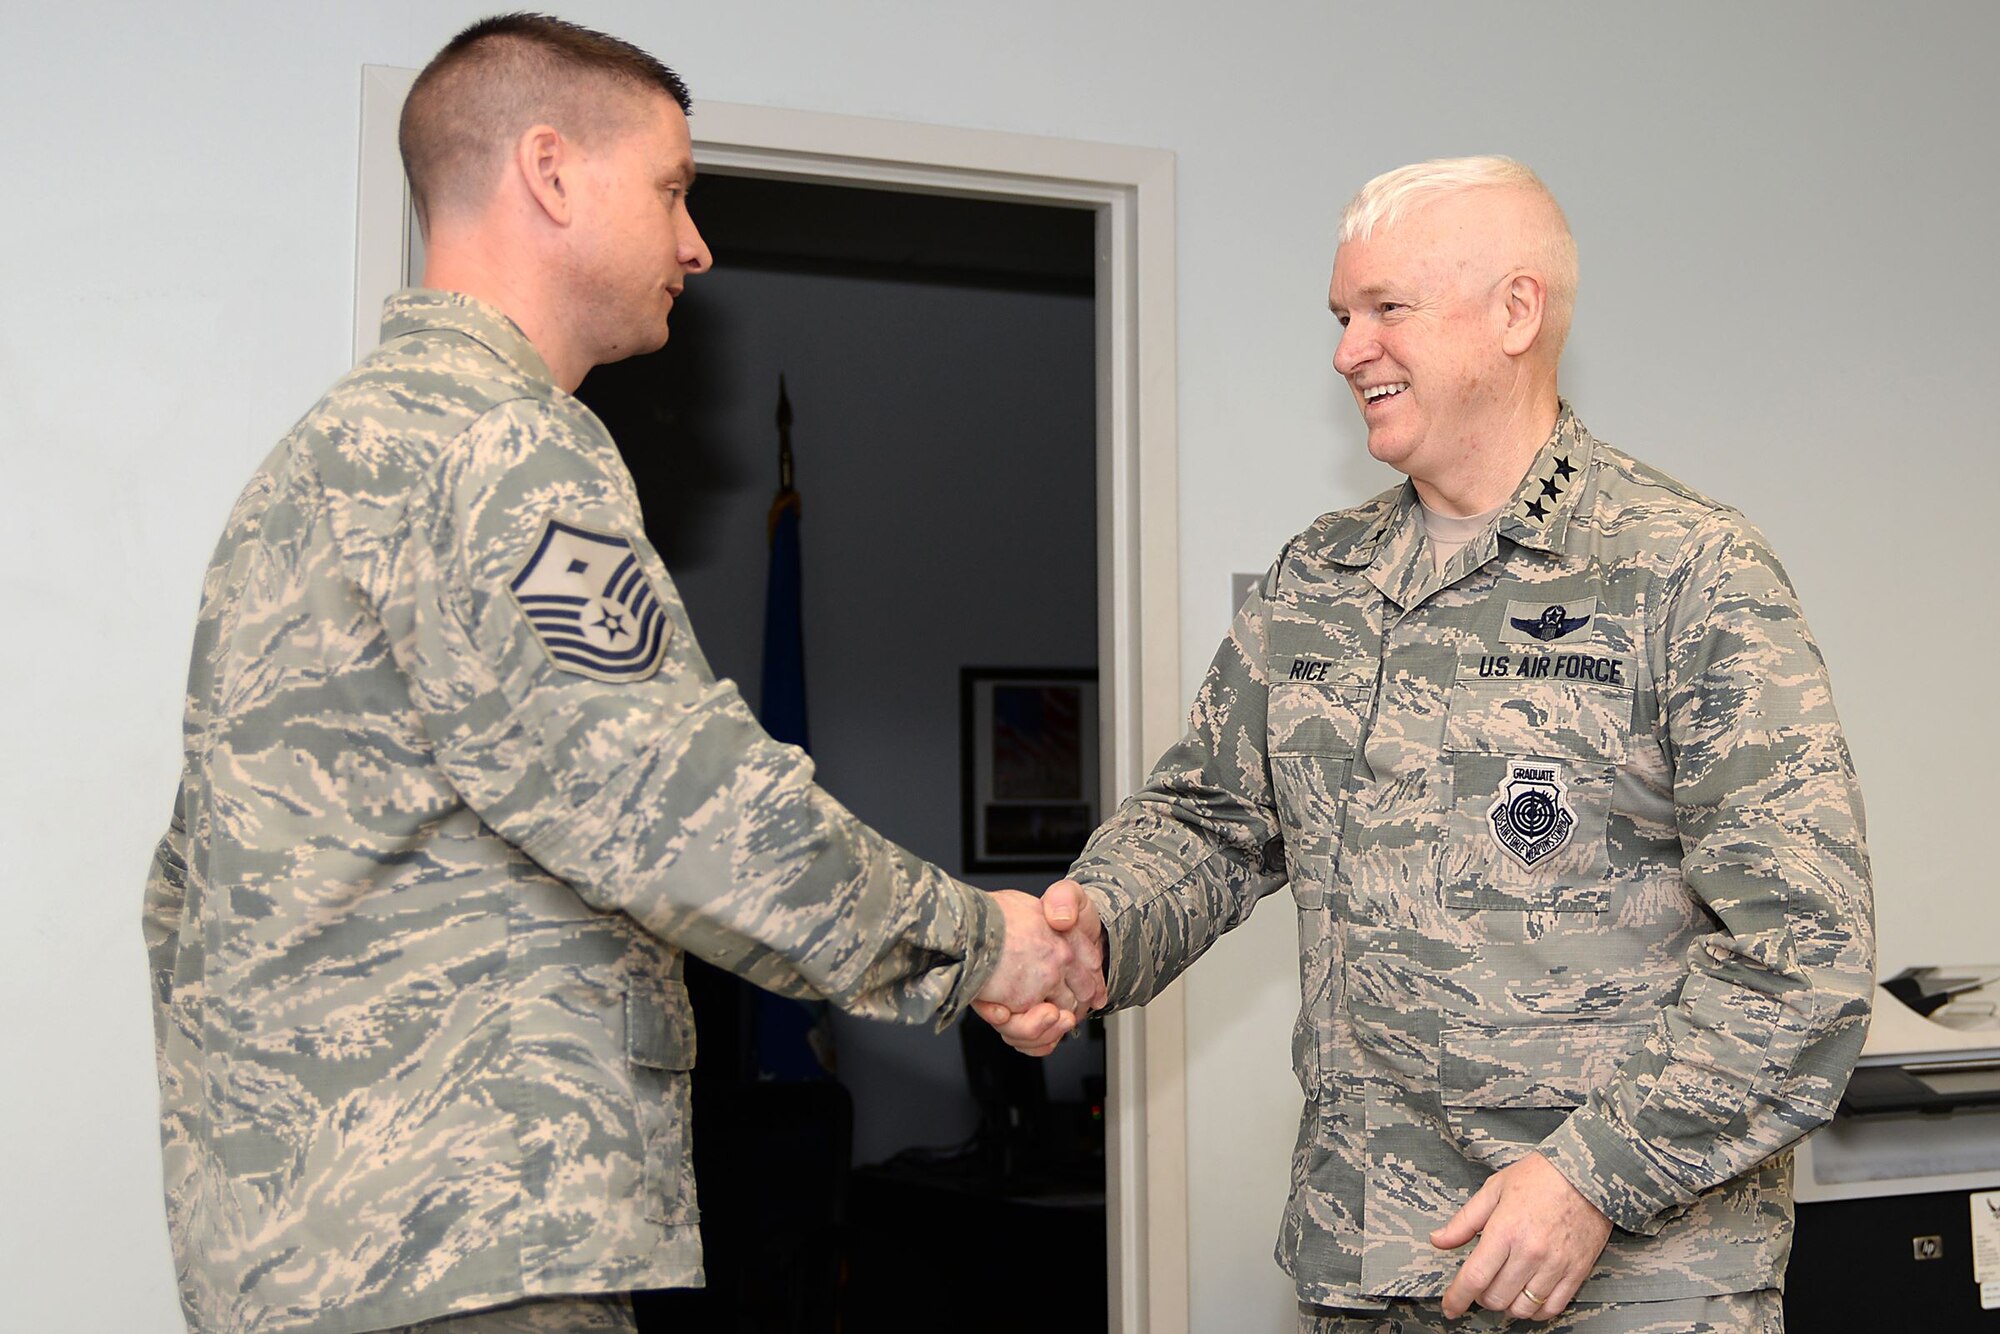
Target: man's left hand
{"points": [[1538, 1238]]}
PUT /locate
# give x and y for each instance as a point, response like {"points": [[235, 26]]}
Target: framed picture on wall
{"points": [[1028, 743]]}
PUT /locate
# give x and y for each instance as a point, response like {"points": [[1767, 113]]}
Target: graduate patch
{"points": [[1532, 817], [590, 604]]}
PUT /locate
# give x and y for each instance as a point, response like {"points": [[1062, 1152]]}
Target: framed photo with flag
{"points": [[1028, 744]]}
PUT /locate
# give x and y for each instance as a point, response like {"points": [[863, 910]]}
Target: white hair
{"points": [[1386, 199]]}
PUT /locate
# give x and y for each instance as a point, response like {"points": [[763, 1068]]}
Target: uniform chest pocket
{"points": [[1313, 730], [1533, 741]]}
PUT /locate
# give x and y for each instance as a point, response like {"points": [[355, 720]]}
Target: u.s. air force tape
{"points": [[589, 602]]}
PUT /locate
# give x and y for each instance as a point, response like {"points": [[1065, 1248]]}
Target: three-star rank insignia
{"points": [[1550, 489], [1532, 817], [590, 604]]}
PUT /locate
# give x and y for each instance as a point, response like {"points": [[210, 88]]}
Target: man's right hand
{"points": [[1036, 961], [1035, 1029]]}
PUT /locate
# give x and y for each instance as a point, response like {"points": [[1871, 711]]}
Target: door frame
{"points": [[1131, 192]]}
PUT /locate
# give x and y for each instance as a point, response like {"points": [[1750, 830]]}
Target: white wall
{"points": [[1785, 213]]}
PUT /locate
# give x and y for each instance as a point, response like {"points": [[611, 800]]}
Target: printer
{"points": [[1899, 1195]]}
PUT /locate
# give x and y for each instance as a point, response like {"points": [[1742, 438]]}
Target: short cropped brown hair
{"points": [[502, 75]]}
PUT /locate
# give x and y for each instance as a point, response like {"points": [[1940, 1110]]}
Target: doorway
{"points": [[937, 357]]}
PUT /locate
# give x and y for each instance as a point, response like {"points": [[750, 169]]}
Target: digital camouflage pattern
{"points": [[415, 929], [1759, 1312], [542, 1315], [1579, 861]]}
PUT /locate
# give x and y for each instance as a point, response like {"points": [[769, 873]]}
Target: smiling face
{"points": [[638, 242], [1424, 314]]}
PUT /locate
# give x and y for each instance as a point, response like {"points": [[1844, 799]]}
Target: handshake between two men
{"points": [[1051, 973]]}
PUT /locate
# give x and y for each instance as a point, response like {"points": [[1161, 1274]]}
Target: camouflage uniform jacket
{"points": [[459, 789], [1579, 862]]}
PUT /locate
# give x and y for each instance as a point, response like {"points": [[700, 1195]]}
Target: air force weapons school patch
{"points": [[587, 598], [1532, 817]]}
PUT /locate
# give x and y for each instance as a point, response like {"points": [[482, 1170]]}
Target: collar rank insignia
{"points": [[1554, 622], [1532, 816], [589, 602]]}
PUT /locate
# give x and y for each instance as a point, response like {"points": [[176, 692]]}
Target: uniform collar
{"points": [[1389, 536], [1538, 516], [418, 309]]}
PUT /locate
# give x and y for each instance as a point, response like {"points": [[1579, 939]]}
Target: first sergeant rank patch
{"points": [[1532, 817], [588, 600]]}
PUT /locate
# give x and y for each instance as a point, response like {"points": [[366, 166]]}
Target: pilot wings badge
{"points": [[589, 602], [1549, 620], [1554, 622]]}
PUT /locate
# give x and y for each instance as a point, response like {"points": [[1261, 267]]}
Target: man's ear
{"points": [[541, 155], [1527, 303]]}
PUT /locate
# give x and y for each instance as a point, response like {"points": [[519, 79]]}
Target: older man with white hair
{"points": [[1547, 754]]}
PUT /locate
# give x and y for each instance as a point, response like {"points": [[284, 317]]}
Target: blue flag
{"points": [[794, 1038], [784, 694]]}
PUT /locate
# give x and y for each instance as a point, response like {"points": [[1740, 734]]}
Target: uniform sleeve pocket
{"points": [[659, 1025], [1731, 1046]]}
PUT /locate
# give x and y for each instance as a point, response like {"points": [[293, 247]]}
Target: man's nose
{"points": [[692, 251], [1355, 347]]}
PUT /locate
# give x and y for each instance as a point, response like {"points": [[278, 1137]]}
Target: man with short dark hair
{"points": [[460, 787], [1548, 756]]}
